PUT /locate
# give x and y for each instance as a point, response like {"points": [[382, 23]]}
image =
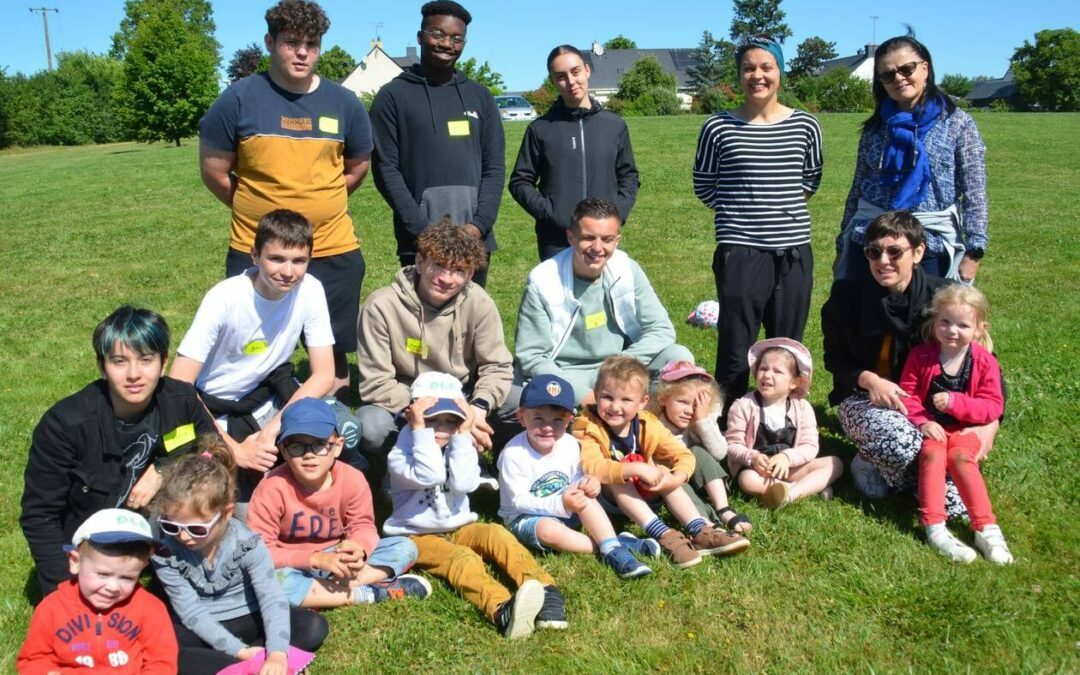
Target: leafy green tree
{"points": [[543, 97], [644, 76], [169, 77], [197, 13], [483, 74], [245, 61], [714, 64], [620, 41], [335, 64], [1047, 73], [6, 87], [955, 84], [811, 53], [757, 17], [835, 91]]}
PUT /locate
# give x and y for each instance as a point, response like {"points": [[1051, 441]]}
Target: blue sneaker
{"points": [[404, 586], [646, 548], [552, 614], [623, 562]]}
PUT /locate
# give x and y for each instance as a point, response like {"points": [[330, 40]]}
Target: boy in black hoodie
{"points": [[439, 146]]}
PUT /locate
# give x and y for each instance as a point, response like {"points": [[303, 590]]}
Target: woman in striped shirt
{"points": [[756, 167]]}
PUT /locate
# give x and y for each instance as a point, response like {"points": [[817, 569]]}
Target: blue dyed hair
{"points": [[760, 42], [141, 330]]}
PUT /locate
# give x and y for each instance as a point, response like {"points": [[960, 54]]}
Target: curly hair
{"points": [[665, 391], [448, 245], [205, 478], [445, 8], [301, 17]]}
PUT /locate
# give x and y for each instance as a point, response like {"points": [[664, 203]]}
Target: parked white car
{"points": [[513, 108]]}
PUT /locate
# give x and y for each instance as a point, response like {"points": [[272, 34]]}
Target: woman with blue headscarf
{"points": [[756, 167], [918, 153]]}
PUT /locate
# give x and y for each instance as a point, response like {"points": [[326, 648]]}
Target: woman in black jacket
{"points": [[574, 151]]}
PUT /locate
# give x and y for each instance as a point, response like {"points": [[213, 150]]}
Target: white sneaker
{"points": [[945, 543], [991, 543], [868, 479]]}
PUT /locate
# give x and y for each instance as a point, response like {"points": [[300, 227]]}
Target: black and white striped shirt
{"points": [[754, 176]]}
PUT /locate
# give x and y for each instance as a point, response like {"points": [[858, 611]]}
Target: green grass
{"points": [[843, 585]]}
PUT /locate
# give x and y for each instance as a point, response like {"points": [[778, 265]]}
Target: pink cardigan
{"points": [[982, 403], [743, 421]]}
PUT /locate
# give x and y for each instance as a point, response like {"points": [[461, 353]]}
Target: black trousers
{"points": [[757, 287], [307, 630], [479, 277]]}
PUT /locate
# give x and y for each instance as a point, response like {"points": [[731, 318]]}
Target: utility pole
{"points": [[873, 41], [45, 22]]}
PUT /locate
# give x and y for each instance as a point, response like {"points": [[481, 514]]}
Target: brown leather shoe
{"points": [[679, 548], [715, 541]]}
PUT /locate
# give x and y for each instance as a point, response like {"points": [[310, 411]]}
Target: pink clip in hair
{"points": [[205, 454]]}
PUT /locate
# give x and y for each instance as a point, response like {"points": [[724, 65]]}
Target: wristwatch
{"points": [[975, 254], [482, 404]]}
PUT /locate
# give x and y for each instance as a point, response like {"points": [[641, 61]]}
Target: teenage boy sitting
{"points": [[238, 348], [641, 463], [544, 495], [102, 619], [315, 515], [105, 446], [432, 468]]}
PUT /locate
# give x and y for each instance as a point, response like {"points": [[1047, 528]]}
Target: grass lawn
{"points": [[841, 585]]}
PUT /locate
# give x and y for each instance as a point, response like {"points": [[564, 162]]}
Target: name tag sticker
{"points": [[181, 435], [458, 127], [255, 347], [416, 346], [595, 320], [328, 125]]}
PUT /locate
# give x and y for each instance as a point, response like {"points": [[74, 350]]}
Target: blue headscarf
{"points": [[905, 162], [760, 42]]}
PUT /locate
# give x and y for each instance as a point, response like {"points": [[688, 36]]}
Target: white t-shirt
{"points": [[240, 336], [531, 483]]}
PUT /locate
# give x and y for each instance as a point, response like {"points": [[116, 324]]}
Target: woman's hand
{"points": [[934, 431], [145, 488], [883, 393], [969, 267]]}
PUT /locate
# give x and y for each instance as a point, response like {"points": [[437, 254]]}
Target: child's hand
{"points": [[470, 416], [414, 413], [941, 400], [574, 500], [760, 463], [647, 473], [145, 488], [701, 406], [352, 554], [670, 481], [331, 562], [590, 485], [933, 430], [277, 663], [779, 465], [248, 653]]}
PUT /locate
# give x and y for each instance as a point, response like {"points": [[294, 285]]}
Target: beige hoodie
{"points": [[401, 337]]}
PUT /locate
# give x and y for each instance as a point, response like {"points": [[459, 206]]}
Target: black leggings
{"points": [[307, 629]]}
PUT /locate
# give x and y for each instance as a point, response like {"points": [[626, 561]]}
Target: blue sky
{"points": [[972, 37]]}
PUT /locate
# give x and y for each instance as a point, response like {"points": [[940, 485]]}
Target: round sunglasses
{"points": [[906, 70], [894, 253]]}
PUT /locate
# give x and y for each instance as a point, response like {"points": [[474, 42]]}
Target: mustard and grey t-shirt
{"points": [[290, 154]]}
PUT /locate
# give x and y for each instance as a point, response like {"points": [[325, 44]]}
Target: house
{"points": [[609, 65], [984, 93], [861, 65], [378, 68]]}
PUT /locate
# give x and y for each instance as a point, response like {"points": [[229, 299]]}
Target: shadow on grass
{"points": [[31, 589]]}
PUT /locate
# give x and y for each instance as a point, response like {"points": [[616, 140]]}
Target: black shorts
{"points": [[341, 275]]}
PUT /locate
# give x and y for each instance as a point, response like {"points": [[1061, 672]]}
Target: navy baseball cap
{"points": [[548, 390], [308, 417]]}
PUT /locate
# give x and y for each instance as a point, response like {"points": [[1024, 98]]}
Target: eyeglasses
{"points": [[873, 252], [194, 530], [906, 70], [320, 449], [437, 270], [438, 36]]}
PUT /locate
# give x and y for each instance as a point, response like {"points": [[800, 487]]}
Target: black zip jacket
{"points": [[568, 155], [439, 150], [76, 467]]}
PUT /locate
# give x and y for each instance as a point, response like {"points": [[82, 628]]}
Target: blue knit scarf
{"points": [[904, 161]]}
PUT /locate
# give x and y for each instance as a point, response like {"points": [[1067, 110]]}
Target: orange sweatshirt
{"points": [[657, 444]]}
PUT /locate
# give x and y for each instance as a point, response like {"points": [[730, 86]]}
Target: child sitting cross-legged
{"points": [[315, 515], [544, 495], [643, 466], [433, 468]]}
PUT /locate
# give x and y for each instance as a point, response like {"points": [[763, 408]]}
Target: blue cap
{"points": [[309, 417], [112, 526], [548, 390], [444, 406]]}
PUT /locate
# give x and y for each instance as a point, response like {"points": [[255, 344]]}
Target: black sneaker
{"points": [[515, 618], [553, 612]]}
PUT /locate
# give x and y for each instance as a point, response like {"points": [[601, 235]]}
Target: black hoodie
{"points": [[568, 155], [439, 150]]}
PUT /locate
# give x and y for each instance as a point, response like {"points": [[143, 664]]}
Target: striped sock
{"points": [[363, 595], [608, 545], [656, 528], [696, 525]]}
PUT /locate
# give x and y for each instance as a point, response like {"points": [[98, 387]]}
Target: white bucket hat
{"points": [[797, 349]]}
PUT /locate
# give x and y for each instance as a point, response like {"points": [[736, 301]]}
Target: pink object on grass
{"points": [[298, 659]]}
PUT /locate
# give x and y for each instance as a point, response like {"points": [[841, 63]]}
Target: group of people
{"points": [[262, 503]]}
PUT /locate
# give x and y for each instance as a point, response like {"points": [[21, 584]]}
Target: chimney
{"points": [[870, 49], [597, 48], [410, 53]]}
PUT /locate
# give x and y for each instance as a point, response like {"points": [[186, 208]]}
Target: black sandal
{"points": [[733, 521]]}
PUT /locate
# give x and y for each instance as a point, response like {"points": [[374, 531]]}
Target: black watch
{"points": [[482, 404], [975, 254]]}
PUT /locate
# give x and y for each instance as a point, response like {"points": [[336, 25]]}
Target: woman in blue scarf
{"points": [[919, 153]]}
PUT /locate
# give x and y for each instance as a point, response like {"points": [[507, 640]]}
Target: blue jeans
{"points": [[524, 528]]}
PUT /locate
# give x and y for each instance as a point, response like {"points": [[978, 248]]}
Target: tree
{"points": [[1047, 73], [245, 61], [197, 13], [759, 17], [482, 74], [335, 64], [647, 89], [169, 77], [956, 85], [812, 52], [543, 97], [620, 41], [835, 91], [5, 108], [714, 64]]}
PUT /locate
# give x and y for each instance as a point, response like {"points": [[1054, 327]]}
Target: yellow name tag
{"points": [[328, 125], [415, 346], [458, 127], [181, 435], [595, 320], [255, 347]]}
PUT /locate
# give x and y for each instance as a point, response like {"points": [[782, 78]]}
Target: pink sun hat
{"points": [[797, 349], [679, 370]]}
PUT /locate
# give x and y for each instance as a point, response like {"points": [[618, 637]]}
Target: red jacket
{"points": [[982, 403], [67, 635]]}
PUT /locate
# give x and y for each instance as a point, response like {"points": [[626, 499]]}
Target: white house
{"points": [[378, 68], [861, 65]]}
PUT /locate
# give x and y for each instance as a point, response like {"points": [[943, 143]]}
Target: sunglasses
{"points": [[194, 530], [873, 252], [320, 449], [906, 70]]}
